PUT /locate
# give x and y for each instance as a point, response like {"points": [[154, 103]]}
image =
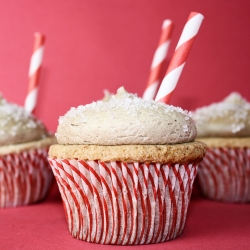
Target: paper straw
{"points": [[179, 58], [158, 60], [34, 72]]}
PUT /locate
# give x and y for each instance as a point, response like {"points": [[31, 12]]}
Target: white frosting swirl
{"points": [[125, 120], [17, 125], [228, 118]]}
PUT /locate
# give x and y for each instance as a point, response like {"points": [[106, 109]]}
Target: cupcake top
{"points": [[228, 118], [17, 125], [125, 119]]}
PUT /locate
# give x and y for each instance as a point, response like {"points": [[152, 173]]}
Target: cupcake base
{"points": [[224, 174], [25, 177], [124, 203]]}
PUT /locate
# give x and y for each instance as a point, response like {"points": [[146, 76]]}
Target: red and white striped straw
{"points": [[179, 58], [34, 72], [158, 60]]}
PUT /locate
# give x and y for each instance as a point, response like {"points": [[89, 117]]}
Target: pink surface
{"points": [[209, 225], [93, 45]]}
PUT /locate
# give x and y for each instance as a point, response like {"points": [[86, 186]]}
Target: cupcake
{"points": [[224, 173], [125, 169], [25, 174]]}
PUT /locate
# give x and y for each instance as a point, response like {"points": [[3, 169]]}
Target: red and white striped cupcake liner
{"points": [[124, 203], [224, 174], [25, 177]]}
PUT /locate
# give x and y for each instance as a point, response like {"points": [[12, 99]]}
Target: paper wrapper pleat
{"points": [[25, 177], [224, 174], [124, 203]]}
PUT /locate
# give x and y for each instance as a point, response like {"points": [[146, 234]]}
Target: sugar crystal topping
{"points": [[233, 111], [15, 120], [125, 119], [130, 103]]}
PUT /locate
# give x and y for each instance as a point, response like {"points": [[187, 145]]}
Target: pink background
{"points": [[92, 45]]}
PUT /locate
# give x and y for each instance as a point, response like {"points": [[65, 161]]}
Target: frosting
{"points": [[17, 125], [107, 95], [228, 118], [126, 119]]}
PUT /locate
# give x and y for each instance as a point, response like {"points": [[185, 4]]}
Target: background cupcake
{"points": [[125, 169], [25, 175], [224, 173]]}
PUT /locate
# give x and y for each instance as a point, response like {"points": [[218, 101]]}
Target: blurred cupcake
{"points": [[25, 175], [125, 169], [224, 173]]}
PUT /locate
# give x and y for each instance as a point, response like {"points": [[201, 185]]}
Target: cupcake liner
{"points": [[25, 177], [124, 203], [224, 174]]}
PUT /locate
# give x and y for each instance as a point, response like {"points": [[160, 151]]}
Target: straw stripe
{"points": [[160, 54], [30, 101], [34, 72], [179, 58], [36, 60], [172, 77], [191, 29], [158, 60], [131, 203]]}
